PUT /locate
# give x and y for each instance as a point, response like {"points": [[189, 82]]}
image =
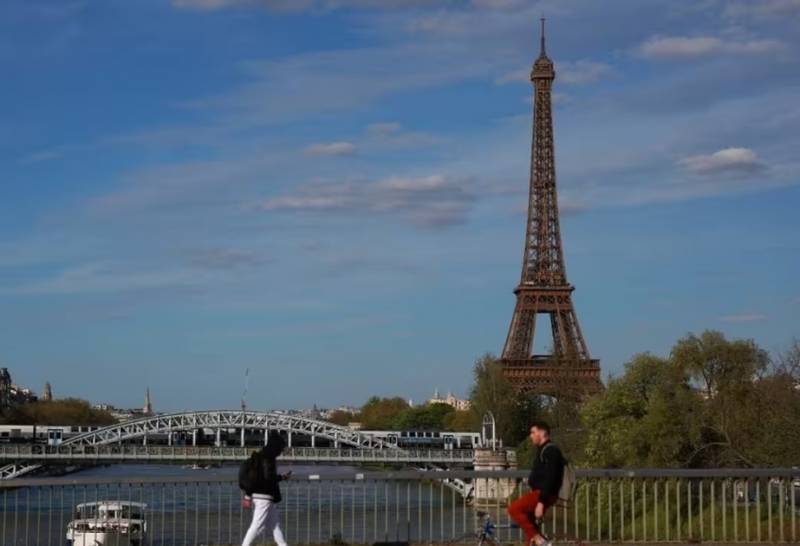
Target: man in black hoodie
{"points": [[544, 480], [267, 493]]}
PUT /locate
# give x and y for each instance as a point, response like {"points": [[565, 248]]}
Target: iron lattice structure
{"points": [[222, 419], [543, 287], [138, 429]]}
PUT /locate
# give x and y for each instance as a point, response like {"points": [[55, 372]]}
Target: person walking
{"points": [[266, 493], [544, 480]]}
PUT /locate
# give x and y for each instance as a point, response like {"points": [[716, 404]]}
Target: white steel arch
{"points": [[215, 420], [228, 419]]}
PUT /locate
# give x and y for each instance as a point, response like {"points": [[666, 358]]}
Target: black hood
{"points": [[275, 444]]}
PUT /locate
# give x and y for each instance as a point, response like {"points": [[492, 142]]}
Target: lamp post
{"points": [[489, 425]]}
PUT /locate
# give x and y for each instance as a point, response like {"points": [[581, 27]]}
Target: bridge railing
{"points": [[155, 453], [757, 506]]}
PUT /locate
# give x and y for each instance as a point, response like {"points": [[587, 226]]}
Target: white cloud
{"points": [[683, 47], [763, 9], [281, 90], [205, 4], [428, 183], [105, 278], [393, 135], [429, 201], [38, 157], [333, 149], [226, 258], [484, 22], [729, 160], [559, 98], [580, 72], [384, 129], [303, 5], [517, 76], [499, 4], [186, 186], [744, 317]]}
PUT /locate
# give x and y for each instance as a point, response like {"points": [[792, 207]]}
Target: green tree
{"points": [[788, 363], [427, 417], [341, 417], [730, 375], [381, 413], [67, 411], [779, 396], [461, 421], [647, 417], [775, 410], [491, 391], [719, 365], [714, 402]]}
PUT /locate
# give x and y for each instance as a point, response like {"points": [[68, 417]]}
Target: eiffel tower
{"points": [[543, 287]]}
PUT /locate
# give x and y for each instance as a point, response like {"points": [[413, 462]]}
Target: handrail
{"points": [[419, 475]]}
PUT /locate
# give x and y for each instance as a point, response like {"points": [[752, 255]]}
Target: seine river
{"points": [[199, 511]]}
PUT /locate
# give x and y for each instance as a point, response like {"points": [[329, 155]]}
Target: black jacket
{"points": [[547, 470], [269, 478]]}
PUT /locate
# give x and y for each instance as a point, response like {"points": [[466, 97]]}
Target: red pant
{"points": [[522, 510]]}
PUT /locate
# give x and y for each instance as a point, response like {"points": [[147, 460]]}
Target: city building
{"points": [[148, 405], [328, 413], [12, 394], [47, 394], [450, 400], [126, 414], [5, 389]]}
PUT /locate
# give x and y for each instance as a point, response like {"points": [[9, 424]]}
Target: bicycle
{"points": [[486, 532]]}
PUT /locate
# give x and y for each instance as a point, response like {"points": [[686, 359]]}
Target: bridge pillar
{"points": [[290, 438], [314, 436], [266, 434], [218, 441], [194, 437], [336, 440], [494, 491], [241, 442]]}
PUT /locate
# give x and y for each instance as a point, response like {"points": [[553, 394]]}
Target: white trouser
{"points": [[265, 518]]}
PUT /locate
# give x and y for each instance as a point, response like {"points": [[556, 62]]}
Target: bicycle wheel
{"points": [[489, 540], [465, 539]]}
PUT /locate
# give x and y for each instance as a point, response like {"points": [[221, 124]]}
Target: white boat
{"points": [[108, 523]]}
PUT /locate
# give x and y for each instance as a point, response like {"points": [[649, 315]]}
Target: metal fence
{"points": [[34, 453], [360, 508]]}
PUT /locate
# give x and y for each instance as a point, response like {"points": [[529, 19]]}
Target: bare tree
{"points": [[788, 363]]}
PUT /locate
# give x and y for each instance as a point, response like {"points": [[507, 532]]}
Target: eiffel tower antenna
{"points": [[542, 51], [246, 385]]}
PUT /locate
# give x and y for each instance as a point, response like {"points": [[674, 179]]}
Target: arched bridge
{"points": [[221, 420], [101, 441]]}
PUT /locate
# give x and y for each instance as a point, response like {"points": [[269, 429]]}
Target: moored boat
{"points": [[108, 523]]}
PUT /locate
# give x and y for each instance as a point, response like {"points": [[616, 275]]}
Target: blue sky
{"points": [[331, 192]]}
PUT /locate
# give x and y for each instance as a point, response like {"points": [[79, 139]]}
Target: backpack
{"points": [[250, 473], [569, 481]]}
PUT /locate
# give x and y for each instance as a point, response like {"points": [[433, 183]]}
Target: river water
{"points": [[210, 513]]}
